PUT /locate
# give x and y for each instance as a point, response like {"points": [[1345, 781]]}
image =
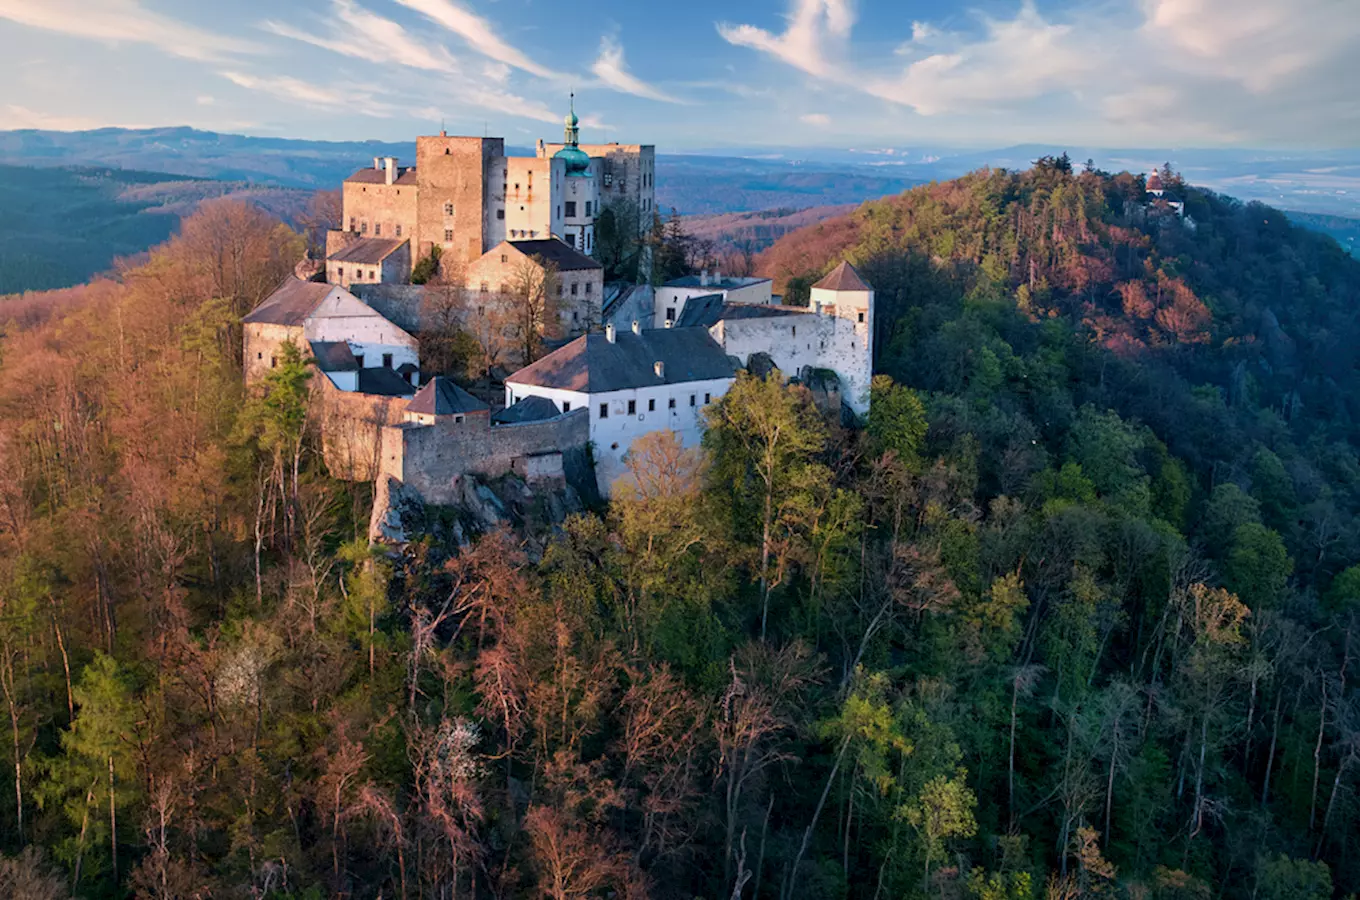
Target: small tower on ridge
{"points": [[844, 294]]}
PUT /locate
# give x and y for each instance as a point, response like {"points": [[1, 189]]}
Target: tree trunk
{"points": [[789, 892], [113, 824], [7, 682], [1317, 755], [1270, 759]]}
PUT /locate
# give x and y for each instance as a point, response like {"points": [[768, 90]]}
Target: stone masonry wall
{"points": [[351, 427], [262, 343], [454, 170], [431, 458]]}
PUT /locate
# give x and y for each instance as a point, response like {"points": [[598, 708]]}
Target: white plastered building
{"points": [[632, 382]]}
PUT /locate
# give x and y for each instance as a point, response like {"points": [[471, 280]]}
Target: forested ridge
{"points": [[1073, 616]]}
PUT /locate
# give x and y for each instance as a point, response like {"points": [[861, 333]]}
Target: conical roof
{"points": [[441, 397], [842, 278]]}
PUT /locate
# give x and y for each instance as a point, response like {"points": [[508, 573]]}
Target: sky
{"points": [[699, 73]]}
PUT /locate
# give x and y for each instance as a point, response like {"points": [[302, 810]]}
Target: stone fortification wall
{"points": [[262, 345], [351, 426], [401, 304], [431, 458]]}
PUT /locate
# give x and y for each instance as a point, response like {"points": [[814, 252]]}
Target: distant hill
{"points": [[756, 231], [64, 225], [1345, 231]]}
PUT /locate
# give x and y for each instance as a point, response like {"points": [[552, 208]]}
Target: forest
{"points": [[1072, 615]]}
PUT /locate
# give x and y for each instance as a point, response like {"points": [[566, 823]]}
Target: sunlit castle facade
{"points": [[465, 196]]}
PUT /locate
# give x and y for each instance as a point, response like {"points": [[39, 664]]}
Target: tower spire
{"points": [[572, 131]]}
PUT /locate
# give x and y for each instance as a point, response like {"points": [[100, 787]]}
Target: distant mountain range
{"points": [[118, 191]]}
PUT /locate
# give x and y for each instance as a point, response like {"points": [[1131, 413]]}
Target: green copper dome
{"points": [[578, 163]]}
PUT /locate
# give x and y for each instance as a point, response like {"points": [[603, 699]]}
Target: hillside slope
{"points": [[62, 226]]}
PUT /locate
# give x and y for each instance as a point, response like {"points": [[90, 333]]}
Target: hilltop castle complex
{"points": [[503, 231]]}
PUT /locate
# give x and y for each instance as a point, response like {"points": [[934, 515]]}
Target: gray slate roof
{"points": [[369, 251], [707, 311], [384, 382], [334, 356], [290, 304], [528, 409], [591, 364], [441, 397], [566, 257], [843, 278], [371, 175]]}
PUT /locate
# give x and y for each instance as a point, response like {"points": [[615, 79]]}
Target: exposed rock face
{"points": [[825, 387], [401, 516], [761, 364]]}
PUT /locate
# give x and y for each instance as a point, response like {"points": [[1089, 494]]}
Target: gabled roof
{"points": [[383, 382], [591, 364], [441, 397], [371, 175], [527, 409], [334, 356], [290, 304], [713, 309], [367, 250], [566, 257], [842, 278]]}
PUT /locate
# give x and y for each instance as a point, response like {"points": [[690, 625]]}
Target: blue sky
{"points": [[698, 74]]}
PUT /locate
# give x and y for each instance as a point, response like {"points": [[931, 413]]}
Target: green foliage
{"points": [[1281, 877], [897, 420], [426, 268], [1258, 565]]}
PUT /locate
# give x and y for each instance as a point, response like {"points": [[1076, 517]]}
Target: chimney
{"points": [[391, 164], [609, 332], [703, 278], [659, 368], [377, 162], [637, 327]]}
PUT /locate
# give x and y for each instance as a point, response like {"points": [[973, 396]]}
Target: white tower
{"points": [[849, 298]]}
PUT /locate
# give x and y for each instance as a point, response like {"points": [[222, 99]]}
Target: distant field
{"points": [[62, 226]]}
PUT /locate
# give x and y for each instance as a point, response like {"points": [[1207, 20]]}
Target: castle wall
{"points": [[529, 193], [431, 458], [455, 175], [262, 346], [802, 340], [351, 427], [379, 210]]}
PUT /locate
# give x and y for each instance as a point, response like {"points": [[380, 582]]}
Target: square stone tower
{"points": [[457, 178], [846, 296]]}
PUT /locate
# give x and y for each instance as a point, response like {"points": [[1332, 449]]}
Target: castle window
{"points": [[574, 286], [691, 399], [861, 318], [587, 288], [505, 258], [566, 406], [398, 231], [448, 209], [485, 287], [560, 288], [587, 209], [353, 224], [377, 229], [516, 185], [448, 235], [707, 399], [387, 360], [340, 273], [359, 360], [795, 331], [259, 356], [273, 362], [500, 214], [651, 406], [457, 419], [670, 314], [604, 410], [363, 228], [571, 209], [632, 407], [670, 404]]}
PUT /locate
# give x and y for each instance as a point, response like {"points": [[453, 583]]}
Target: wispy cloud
{"points": [[818, 119], [479, 33], [811, 24], [305, 93], [1216, 70], [123, 21], [20, 117], [612, 71], [356, 32]]}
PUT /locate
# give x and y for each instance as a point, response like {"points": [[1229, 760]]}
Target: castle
{"points": [[635, 360]]}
